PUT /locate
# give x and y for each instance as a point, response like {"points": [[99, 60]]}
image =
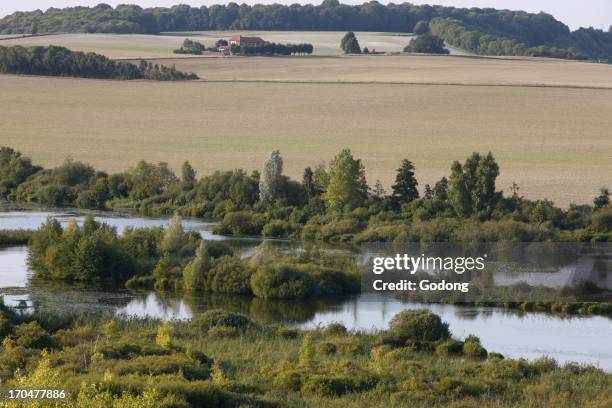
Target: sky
{"points": [[574, 13]]}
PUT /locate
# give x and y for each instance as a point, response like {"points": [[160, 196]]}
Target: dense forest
{"points": [[486, 31], [331, 203], [60, 61], [225, 359]]}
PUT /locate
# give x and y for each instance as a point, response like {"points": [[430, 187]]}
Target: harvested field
{"points": [[402, 69], [158, 46], [554, 142]]}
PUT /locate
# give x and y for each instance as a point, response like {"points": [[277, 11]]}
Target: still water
{"points": [[514, 334]]}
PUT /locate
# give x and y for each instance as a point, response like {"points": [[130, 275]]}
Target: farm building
{"points": [[242, 40]]}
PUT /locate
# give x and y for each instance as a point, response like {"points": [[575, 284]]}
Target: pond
{"points": [[584, 339]]}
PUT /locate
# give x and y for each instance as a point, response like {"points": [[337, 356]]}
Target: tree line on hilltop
{"points": [[485, 31]]}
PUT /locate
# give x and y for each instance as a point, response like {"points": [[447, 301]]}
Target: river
{"points": [[582, 339]]}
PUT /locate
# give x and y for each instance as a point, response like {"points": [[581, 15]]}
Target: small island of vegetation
{"points": [[172, 259]]}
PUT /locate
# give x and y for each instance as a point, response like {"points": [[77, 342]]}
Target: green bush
{"points": [[5, 326], [335, 329], [327, 386], [330, 282], [157, 365], [473, 349], [495, 356], [240, 223], [277, 229], [326, 348], [450, 346], [222, 332], [287, 333], [229, 275], [331, 385], [417, 325], [282, 281], [219, 317], [31, 335]]}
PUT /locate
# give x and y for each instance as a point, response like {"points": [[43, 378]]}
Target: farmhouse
{"points": [[242, 40]]}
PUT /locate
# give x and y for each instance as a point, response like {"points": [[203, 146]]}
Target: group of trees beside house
{"points": [[427, 44], [60, 61], [270, 48], [486, 31], [332, 202], [190, 47]]}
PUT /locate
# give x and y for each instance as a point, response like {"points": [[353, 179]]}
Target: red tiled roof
{"points": [[241, 39]]}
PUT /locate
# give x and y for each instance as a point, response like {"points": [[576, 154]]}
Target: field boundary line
{"points": [[476, 84]]}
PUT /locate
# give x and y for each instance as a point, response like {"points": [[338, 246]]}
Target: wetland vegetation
{"points": [[226, 359], [331, 203]]}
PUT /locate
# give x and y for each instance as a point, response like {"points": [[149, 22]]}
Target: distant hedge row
{"points": [[272, 49], [60, 61]]}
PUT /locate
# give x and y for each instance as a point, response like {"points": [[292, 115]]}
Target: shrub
{"points": [[417, 325], [5, 326], [326, 348], [222, 332], [331, 282], [165, 334], [327, 385], [31, 335], [450, 346], [240, 223], [287, 333], [335, 329], [277, 229], [288, 379], [602, 219], [473, 349], [282, 282], [198, 356], [156, 365], [219, 317], [495, 356], [229, 275], [351, 346]]}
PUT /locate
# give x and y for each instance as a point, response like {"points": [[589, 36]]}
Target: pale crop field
{"points": [[111, 45], [554, 142], [401, 69], [160, 46]]}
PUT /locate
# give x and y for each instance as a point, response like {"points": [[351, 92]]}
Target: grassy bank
{"points": [[225, 359]]}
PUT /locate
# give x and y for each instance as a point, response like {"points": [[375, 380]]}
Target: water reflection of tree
{"points": [[264, 310], [75, 298]]}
